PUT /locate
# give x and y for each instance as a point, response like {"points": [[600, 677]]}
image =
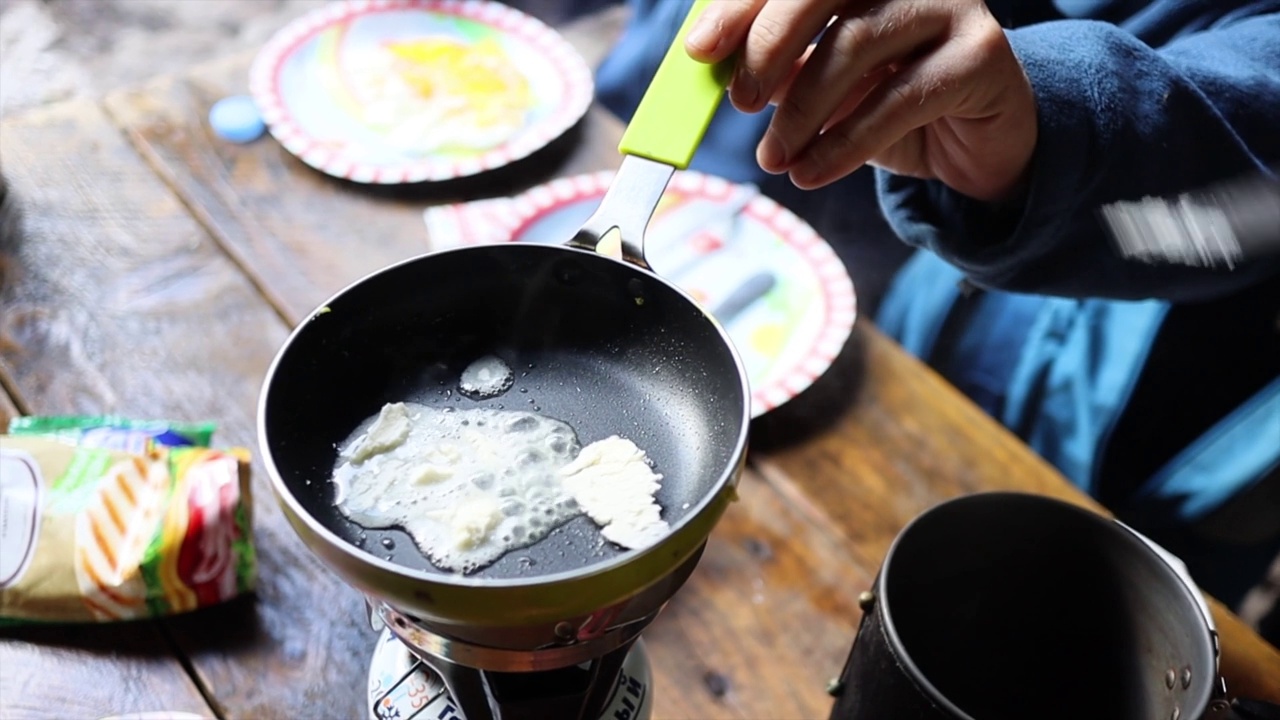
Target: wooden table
{"points": [[152, 270]]}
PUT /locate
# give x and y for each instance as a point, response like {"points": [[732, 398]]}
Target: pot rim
{"points": [[1203, 697]]}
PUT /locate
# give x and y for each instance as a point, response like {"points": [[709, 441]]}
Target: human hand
{"points": [[925, 88]]}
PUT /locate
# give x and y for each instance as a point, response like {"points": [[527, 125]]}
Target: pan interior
{"points": [[596, 343]]}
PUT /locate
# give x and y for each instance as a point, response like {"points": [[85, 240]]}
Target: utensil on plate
{"points": [[1221, 225], [744, 296], [721, 222]]}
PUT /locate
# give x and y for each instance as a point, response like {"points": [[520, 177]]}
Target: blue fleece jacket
{"points": [[1151, 386], [1119, 119]]}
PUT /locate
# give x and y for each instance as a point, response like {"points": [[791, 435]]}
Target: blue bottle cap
{"points": [[236, 119]]}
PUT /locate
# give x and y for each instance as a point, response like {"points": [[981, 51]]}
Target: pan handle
{"points": [[676, 109], [1242, 709], [663, 134]]}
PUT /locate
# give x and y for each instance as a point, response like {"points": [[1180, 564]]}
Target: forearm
{"points": [[1117, 120]]}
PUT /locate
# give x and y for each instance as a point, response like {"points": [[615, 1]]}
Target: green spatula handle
{"points": [[675, 111]]}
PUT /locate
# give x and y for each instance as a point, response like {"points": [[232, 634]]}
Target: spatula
{"points": [[1230, 222], [662, 136]]}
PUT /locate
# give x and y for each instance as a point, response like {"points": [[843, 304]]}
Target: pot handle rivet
{"points": [[866, 600], [1176, 714], [835, 687], [1186, 677], [1170, 678]]}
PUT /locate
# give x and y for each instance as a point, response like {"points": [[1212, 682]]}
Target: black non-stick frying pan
{"points": [[596, 341], [593, 342]]}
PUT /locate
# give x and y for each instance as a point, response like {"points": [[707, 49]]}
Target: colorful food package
{"points": [[91, 533]]}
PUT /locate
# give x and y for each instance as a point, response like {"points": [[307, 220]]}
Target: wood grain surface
{"points": [[155, 272], [92, 672], [299, 234], [8, 409], [87, 271], [910, 441], [766, 620], [120, 302]]}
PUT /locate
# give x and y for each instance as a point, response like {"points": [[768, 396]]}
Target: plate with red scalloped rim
{"points": [[779, 289], [405, 91]]}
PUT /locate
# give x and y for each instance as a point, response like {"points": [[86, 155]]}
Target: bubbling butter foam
{"points": [[467, 485], [488, 376]]}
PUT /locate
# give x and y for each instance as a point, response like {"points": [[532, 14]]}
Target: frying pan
{"points": [[597, 341]]}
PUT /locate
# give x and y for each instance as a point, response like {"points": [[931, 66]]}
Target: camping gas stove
{"points": [[417, 673]]}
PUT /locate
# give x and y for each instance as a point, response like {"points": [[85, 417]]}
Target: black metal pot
{"points": [[1003, 606]]}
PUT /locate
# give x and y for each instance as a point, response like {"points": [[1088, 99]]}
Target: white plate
{"points": [[781, 292], [402, 91]]}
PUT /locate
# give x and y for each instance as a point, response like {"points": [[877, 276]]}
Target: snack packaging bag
{"points": [[91, 531]]}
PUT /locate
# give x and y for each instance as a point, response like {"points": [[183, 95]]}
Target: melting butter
{"points": [[471, 485], [467, 485], [612, 481]]}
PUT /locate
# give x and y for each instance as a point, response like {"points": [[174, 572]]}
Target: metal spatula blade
{"points": [[662, 136], [1223, 225]]}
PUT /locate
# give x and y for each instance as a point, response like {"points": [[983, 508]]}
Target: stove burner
{"points": [[576, 668], [403, 686]]}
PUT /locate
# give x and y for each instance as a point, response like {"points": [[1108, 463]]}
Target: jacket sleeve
{"points": [[1118, 121]]}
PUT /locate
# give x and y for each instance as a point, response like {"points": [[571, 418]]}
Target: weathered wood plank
{"points": [[8, 409], [766, 619], [595, 35], [54, 671], [299, 234], [910, 441], [118, 301], [92, 672]]}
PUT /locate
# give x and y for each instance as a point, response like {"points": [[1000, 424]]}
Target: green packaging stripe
{"points": [[77, 487], [113, 431], [150, 566], [246, 557]]}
